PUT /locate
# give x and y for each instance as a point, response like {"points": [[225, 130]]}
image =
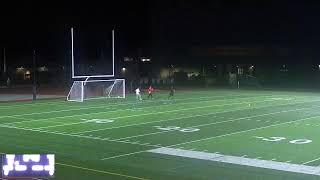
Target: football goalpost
{"points": [[96, 88]]}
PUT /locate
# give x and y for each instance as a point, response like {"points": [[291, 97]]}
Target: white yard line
{"points": [[213, 123], [313, 160], [135, 115], [150, 122], [78, 136], [63, 103], [120, 104], [238, 132], [164, 120], [244, 131], [123, 155], [30, 120]]}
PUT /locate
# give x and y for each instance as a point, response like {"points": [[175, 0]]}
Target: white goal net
{"points": [[96, 89]]}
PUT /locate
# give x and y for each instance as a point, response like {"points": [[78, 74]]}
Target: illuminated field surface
{"points": [[218, 134]]}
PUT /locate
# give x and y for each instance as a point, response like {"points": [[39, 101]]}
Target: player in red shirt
{"points": [[150, 91]]}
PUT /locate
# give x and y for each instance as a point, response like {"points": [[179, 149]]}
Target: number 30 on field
{"points": [[176, 128], [278, 139]]}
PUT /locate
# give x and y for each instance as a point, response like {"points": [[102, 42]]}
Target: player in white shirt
{"points": [[138, 95]]}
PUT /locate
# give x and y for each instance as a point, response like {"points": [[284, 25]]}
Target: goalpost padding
{"points": [[96, 89]]}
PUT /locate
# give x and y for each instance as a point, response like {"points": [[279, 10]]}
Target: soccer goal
{"points": [[96, 89]]}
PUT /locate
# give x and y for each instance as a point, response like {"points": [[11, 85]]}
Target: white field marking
{"points": [[74, 135], [273, 159], [281, 166], [102, 121], [288, 161], [149, 145], [238, 132], [244, 131], [107, 106], [258, 157], [123, 155], [313, 160], [45, 119], [244, 156], [213, 123], [100, 139], [60, 103], [150, 122]]}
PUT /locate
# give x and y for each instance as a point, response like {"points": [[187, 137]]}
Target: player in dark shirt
{"points": [[171, 92]]}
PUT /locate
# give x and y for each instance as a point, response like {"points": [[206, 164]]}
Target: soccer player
{"points": [[150, 91], [138, 95], [171, 92]]}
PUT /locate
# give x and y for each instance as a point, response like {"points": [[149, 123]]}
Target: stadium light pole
{"points": [[4, 61], [34, 88]]}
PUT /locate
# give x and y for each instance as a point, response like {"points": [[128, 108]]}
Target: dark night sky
{"points": [[160, 24]]}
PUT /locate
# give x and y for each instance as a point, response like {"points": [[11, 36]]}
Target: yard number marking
{"points": [[176, 128], [277, 139]]}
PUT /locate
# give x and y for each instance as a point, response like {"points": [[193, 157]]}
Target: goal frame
{"points": [[84, 82]]}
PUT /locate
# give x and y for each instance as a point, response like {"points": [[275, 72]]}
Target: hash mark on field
{"points": [[288, 161], [273, 159], [258, 157], [244, 155]]}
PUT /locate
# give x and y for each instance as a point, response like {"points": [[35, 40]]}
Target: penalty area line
{"points": [[101, 171]]}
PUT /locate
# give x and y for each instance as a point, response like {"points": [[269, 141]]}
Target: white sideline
{"points": [[281, 166]]}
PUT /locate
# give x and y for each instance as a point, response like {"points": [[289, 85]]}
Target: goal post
{"points": [[96, 89]]}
